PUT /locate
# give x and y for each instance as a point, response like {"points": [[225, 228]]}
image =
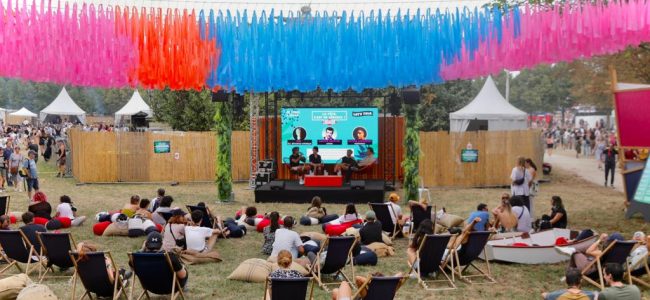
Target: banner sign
{"points": [[469, 155], [161, 147]]}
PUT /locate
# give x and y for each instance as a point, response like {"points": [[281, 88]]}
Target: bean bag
{"points": [[99, 228], [336, 230], [40, 221], [449, 220], [251, 270], [10, 287], [307, 221], [116, 229], [266, 222], [294, 266], [191, 257], [36, 291], [236, 231], [381, 249], [365, 258], [128, 212], [65, 222], [316, 236], [12, 219]]}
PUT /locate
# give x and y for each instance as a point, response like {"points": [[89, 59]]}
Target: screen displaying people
{"points": [[359, 137], [299, 137]]}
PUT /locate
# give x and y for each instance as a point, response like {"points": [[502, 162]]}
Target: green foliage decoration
{"points": [[411, 163], [223, 120]]}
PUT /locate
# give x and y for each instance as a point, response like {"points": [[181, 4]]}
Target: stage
{"points": [[293, 192]]}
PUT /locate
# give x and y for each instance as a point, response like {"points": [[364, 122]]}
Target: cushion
{"points": [[381, 249], [37, 291], [12, 218], [316, 236], [449, 220], [65, 222], [265, 222], [191, 257], [40, 221], [294, 266], [116, 229], [351, 232], [251, 270], [336, 230], [99, 228], [305, 221], [10, 287], [386, 239], [128, 212]]}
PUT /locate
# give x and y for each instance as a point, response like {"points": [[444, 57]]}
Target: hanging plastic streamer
{"points": [[562, 32], [268, 52], [72, 45]]}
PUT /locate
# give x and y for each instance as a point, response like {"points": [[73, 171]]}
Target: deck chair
{"points": [[288, 288], [468, 253], [165, 215], [380, 288], [93, 276], [339, 253], [55, 248], [417, 216], [431, 256], [4, 204], [616, 252], [384, 211], [155, 274], [207, 220], [16, 249], [637, 271]]}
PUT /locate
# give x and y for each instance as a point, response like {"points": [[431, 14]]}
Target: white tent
{"points": [[135, 105], [63, 105], [23, 112], [488, 111]]}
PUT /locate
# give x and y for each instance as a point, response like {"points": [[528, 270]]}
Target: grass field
{"points": [[588, 206]]}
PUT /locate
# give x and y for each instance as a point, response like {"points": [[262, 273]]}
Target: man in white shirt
{"points": [[196, 235], [287, 239], [524, 220], [520, 181]]}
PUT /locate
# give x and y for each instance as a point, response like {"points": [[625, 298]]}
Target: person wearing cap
{"points": [[396, 212], [371, 230], [153, 244], [639, 252], [32, 174]]}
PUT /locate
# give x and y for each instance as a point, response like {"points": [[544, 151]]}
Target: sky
{"points": [[286, 5]]}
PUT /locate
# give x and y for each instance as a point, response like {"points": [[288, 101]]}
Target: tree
{"points": [[545, 88], [184, 110], [440, 100]]}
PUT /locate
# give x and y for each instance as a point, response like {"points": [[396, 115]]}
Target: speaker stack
{"points": [[266, 172]]}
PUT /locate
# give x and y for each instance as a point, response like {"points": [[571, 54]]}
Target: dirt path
{"points": [[586, 168]]}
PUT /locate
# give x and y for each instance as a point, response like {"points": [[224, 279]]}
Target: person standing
{"points": [[6, 155], [3, 171], [610, 163], [521, 179], [533, 185], [32, 174], [15, 161], [61, 160]]}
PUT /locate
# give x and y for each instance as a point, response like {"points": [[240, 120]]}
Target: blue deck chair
{"points": [[468, 253], [431, 259], [616, 252], [207, 220], [55, 248], [155, 274], [380, 288], [165, 215], [337, 252], [16, 249], [4, 204], [288, 288], [384, 211], [94, 277], [417, 216]]}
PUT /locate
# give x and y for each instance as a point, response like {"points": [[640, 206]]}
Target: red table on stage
{"points": [[323, 180]]}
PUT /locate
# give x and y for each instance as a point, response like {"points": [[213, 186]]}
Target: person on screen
{"points": [[329, 134], [315, 161], [359, 134], [369, 159], [299, 134], [348, 165], [297, 162]]}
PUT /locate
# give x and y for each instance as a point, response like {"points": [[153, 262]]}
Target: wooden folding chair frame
{"points": [[459, 270], [599, 268], [44, 268], [441, 268], [357, 294], [316, 267], [177, 289], [637, 279], [391, 211], [216, 220], [267, 290], [117, 293], [12, 262]]}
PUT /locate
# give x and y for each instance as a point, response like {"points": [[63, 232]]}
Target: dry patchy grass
{"points": [[588, 206]]}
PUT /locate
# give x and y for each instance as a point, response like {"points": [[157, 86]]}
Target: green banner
{"points": [[469, 155], [161, 147], [643, 189]]}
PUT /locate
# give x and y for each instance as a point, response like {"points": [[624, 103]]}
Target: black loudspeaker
{"points": [[394, 104], [220, 96], [411, 96], [276, 185], [358, 184]]}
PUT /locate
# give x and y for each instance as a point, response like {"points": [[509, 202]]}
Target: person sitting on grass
{"points": [[483, 215], [164, 207], [371, 231], [524, 220], [30, 230], [247, 216], [350, 215], [133, 205], [573, 291], [155, 202], [174, 232], [66, 210], [196, 235], [153, 244], [40, 207], [506, 221], [558, 217], [318, 212], [269, 233], [287, 239], [614, 274], [142, 209]]}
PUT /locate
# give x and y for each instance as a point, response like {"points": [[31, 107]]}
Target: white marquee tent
{"points": [[488, 111], [135, 105], [23, 112], [63, 105]]}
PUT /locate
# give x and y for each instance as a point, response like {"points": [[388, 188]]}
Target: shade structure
{"points": [[135, 105], [490, 109], [63, 105], [23, 112]]}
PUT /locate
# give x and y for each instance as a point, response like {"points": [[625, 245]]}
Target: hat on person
{"points": [[393, 197], [154, 241], [638, 235], [370, 215], [616, 236]]}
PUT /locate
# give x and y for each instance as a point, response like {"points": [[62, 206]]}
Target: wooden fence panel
{"points": [[94, 156], [133, 161]]}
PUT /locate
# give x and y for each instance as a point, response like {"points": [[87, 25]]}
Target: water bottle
{"points": [[325, 172]]}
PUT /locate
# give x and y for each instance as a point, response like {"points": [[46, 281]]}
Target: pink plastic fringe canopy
{"points": [[77, 45], [554, 34]]}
